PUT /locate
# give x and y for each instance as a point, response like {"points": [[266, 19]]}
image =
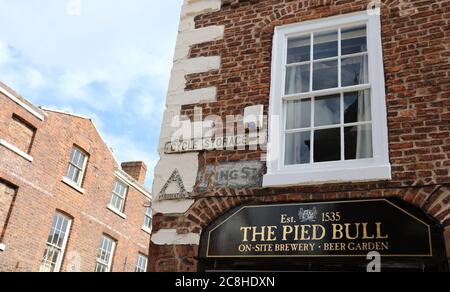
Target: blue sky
{"points": [[109, 60]]}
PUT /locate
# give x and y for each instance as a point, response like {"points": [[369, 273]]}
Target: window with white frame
{"points": [[77, 166], [118, 196], [105, 254], [327, 105], [148, 218], [56, 244], [141, 263]]}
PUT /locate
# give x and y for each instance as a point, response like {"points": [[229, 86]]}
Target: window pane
{"points": [[70, 171], [298, 79], [327, 145], [325, 75], [114, 201], [49, 259], [100, 268], [325, 45], [327, 110], [298, 148], [54, 250], [298, 114], [355, 71], [76, 175], [357, 106], [80, 161], [148, 222], [72, 155], [105, 254], [358, 142], [141, 264], [116, 187], [120, 189], [299, 49], [75, 156], [148, 218], [120, 204], [354, 40]]}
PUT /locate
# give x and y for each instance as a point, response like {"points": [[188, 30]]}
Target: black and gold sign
{"points": [[329, 229]]}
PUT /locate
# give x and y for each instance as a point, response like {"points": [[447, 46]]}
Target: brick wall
{"points": [[415, 38], [21, 134], [41, 193], [7, 195], [136, 170]]}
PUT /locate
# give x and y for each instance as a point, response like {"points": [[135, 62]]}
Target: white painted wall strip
{"points": [[171, 237], [16, 150], [21, 103]]}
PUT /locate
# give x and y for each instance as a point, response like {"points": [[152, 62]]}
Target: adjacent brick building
{"points": [[63, 196], [362, 96]]}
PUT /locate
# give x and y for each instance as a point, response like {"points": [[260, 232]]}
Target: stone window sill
{"points": [[117, 212], [16, 150], [146, 230], [324, 175], [73, 185]]}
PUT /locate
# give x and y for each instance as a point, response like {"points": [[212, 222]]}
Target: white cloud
{"points": [[133, 68], [145, 105], [125, 150], [35, 78], [5, 54], [15, 69]]}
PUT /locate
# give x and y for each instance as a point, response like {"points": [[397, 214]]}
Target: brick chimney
{"points": [[136, 169]]}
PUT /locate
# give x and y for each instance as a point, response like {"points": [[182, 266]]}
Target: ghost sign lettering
{"points": [[245, 174]]}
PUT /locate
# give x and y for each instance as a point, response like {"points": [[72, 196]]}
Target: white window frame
{"points": [[376, 168], [141, 255], [110, 260], [146, 228], [64, 244], [124, 198], [68, 180]]}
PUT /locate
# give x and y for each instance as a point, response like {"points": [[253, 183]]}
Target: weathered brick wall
{"points": [[7, 195], [21, 134], [41, 193], [415, 36]]}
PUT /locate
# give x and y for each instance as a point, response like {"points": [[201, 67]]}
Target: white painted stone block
{"points": [[170, 237], [187, 165]]}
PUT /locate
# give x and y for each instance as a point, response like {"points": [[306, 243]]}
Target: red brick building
{"points": [[65, 202], [355, 96]]}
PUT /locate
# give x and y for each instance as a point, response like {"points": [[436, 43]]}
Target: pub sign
{"points": [[326, 229]]}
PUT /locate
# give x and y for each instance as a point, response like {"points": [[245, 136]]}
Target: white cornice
{"points": [[131, 182], [21, 103]]}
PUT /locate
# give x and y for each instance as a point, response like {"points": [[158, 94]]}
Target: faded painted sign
{"points": [[176, 181], [210, 144], [236, 175]]}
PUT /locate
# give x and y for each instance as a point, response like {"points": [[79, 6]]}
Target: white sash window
{"points": [[56, 244], [327, 107]]}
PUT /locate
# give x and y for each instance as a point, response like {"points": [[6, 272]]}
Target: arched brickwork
{"points": [[433, 200]]}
